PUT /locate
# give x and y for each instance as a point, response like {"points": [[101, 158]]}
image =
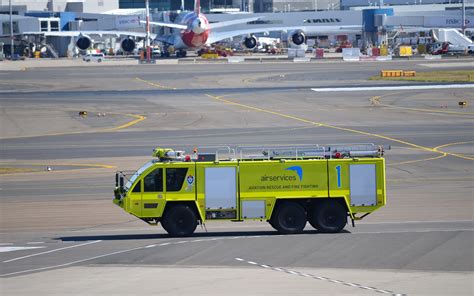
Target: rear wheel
{"points": [[289, 218], [329, 217], [180, 220]]}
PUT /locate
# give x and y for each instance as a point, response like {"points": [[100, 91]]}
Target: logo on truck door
{"points": [[190, 181]]}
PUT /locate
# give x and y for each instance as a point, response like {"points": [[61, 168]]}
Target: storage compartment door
{"points": [[221, 193], [363, 190]]}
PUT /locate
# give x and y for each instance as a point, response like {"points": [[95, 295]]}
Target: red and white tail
{"points": [[197, 7]]}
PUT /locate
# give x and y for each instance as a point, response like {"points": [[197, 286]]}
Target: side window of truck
{"points": [[154, 181], [175, 178], [137, 187]]}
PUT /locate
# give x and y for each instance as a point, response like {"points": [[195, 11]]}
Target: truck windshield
{"points": [[137, 174]]}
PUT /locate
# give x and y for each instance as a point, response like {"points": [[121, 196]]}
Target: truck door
{"points": [[180, 182], [134, 198], [152, 195]]}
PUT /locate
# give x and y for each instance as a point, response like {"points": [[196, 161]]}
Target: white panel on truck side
{"points": [[363, 185], [220, 188]]}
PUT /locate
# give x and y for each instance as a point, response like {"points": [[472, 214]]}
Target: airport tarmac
{"points": [[61, 234]]}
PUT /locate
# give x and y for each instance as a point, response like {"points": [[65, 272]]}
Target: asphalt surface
{"points": [[64, 226]]}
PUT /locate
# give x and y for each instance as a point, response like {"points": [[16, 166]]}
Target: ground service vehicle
{"points": [[96, 57], [286, 186]]}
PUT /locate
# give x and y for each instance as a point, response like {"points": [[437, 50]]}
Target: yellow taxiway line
{"points": [[128, 124], [220, 98], [376, 101], [155, 84]]}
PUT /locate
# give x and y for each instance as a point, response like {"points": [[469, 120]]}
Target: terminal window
{"points": [[161, 5], [6, 27]]}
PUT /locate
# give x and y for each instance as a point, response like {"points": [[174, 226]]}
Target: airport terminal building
{"points": [[105, 15]]}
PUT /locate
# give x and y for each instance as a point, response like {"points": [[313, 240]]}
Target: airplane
{"points": [[192, 30], [195, 31]]}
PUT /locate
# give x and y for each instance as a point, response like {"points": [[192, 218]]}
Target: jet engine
{"points": [[127, 44], [250, 42], [84, 42], [296, 38]]}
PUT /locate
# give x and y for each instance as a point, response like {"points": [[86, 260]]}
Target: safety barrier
{"points": [[397, 73]]}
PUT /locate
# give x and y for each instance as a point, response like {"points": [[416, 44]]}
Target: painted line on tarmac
{"points": [[322, 278], [376, 101], [155, 84], [129, 250], [88, 165], [418, 160], [12, 249], [455, 154], [220, 98], [68, 264], [395, 87], [138, 119], [51, 251]]}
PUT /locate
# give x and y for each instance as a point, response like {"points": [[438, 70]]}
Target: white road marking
{"points": [[395, 87], [319, 277], [51, 251], [69, 263], [150, 246], [449, 65], [11, 249], [34, 243]]}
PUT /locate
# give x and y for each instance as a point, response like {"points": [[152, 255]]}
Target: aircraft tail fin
{"points": [[197, 7]]}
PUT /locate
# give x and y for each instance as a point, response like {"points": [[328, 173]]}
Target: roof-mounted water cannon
{"points": [[168, 154]]}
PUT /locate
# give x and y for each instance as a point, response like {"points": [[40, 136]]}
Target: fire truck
{"points": [[285, 186]]}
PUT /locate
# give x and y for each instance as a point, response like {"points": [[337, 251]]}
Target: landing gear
{"points": [[181, 54], [180, 220]]}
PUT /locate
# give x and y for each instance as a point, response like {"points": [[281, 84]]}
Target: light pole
{"points": [[147, 41], [11, 31], [463, 20]]}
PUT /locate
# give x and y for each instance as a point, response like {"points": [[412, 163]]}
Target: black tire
{"points": [[180, 220], [289, 218], [329, 217]]}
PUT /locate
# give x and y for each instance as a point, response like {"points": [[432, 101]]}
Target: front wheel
{"points": [[329, 217], [289, 218], [180, 220]]}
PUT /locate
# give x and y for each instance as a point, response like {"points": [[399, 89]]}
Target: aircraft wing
{"points": [[91, 33], [310, 30], [169, 25], [232, 22]]}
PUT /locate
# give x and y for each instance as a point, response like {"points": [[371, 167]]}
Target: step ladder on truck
{"points": [[285, 186]]}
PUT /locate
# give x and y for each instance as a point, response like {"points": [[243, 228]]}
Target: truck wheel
{"points": [[329, 217], [289, 218], [180, 220]]}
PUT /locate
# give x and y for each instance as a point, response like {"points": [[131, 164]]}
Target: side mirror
{"points": [[116, 179], [121, 182]]}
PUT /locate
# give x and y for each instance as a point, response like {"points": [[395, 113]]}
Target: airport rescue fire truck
{"points": [[285, 186]]}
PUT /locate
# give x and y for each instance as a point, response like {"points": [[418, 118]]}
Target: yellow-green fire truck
{"points": [[285, 186]]}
